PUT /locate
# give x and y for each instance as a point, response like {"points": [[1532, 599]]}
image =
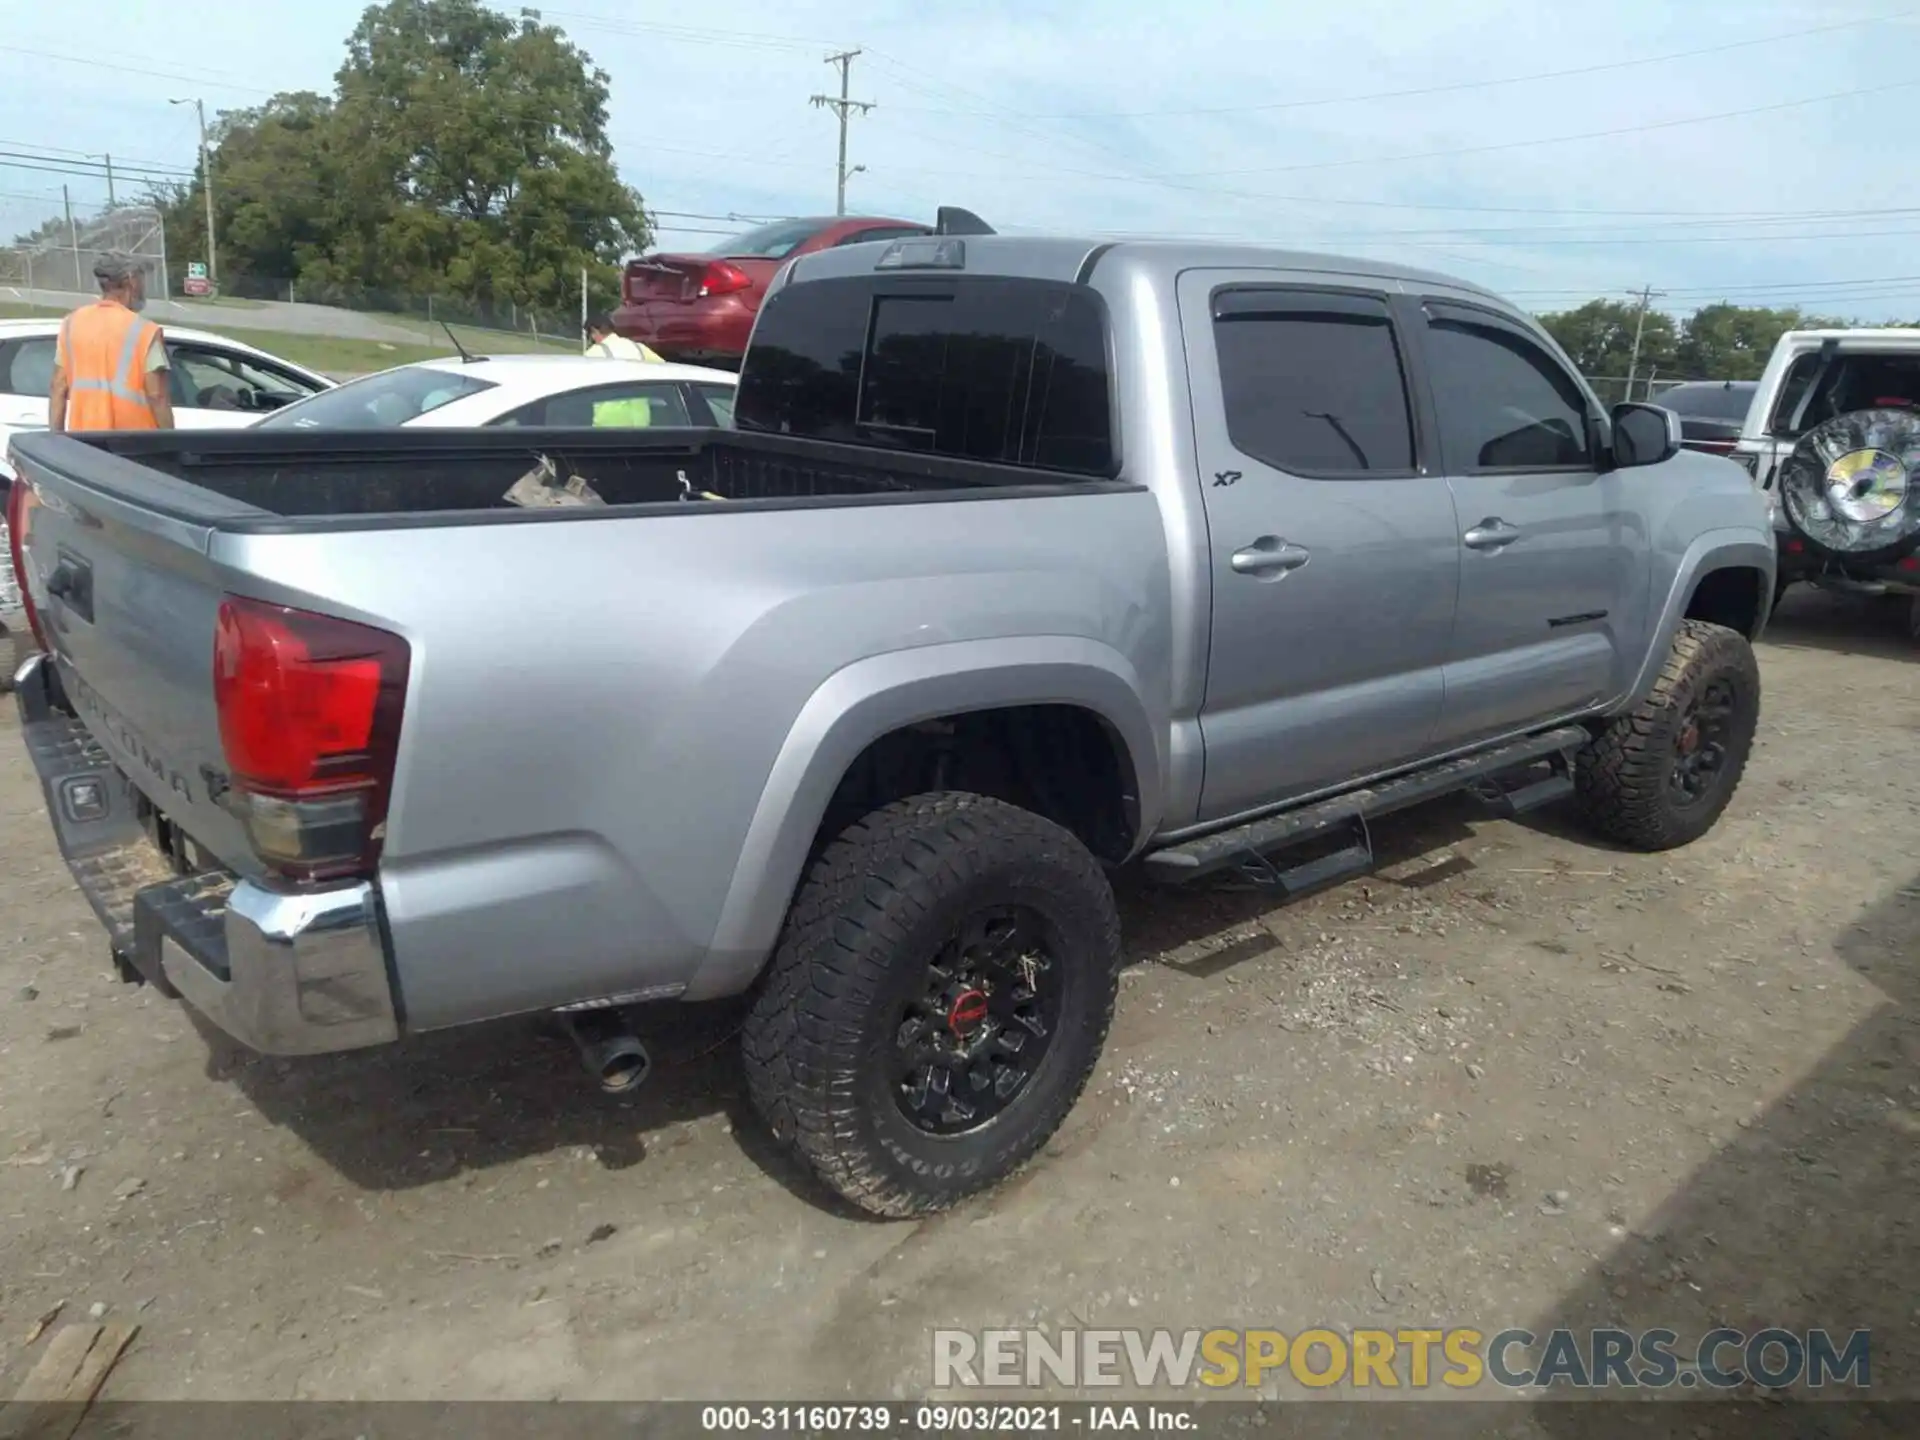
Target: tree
{"points": [[1732, 342], [1599, 338], [464, 154]]}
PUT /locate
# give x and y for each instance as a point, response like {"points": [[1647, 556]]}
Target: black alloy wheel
{"points": [[1700, 744], [972, 1041]]}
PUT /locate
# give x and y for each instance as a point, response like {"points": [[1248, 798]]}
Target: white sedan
{"points": [[531, 390], [217, 383]]}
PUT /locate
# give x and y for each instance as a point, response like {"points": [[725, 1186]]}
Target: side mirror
{"points": [[1644, 435]]}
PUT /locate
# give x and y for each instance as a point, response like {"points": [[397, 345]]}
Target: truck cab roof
{"points": [[1069, 258]]}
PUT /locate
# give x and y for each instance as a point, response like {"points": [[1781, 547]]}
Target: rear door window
{"points": [[1012, 371], [1313, 384]]}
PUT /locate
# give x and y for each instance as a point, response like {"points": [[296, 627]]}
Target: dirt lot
{"points": [[1709, 1061]]}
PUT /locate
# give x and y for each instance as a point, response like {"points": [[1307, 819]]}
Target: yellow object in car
{"points": [[622, 414]]}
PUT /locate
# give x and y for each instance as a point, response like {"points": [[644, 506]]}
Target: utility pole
{"points": [[73, 240], [112, 204], [206, 185], [842, 107], [1646, 295]]}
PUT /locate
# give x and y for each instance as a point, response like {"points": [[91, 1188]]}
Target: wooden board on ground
{"points": [[54, 1397]]}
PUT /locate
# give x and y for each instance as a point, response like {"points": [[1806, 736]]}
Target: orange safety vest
{"points": [[103, 349]]}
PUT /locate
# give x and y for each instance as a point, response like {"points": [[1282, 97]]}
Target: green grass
{"points": [[338, 355]]}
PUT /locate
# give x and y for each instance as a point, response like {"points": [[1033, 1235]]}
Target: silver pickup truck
{"points": [[1026, 559]]}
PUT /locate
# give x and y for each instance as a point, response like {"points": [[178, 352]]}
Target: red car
{"points": [[698, 309]]}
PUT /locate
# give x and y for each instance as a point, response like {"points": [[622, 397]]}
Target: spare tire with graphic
{"points": [[1851, 488]]}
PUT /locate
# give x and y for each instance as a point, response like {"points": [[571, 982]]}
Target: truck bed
{"points": [[280, 480], [598, 700]]}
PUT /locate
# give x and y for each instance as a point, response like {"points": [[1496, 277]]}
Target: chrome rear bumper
{"points": [[285, 973]]}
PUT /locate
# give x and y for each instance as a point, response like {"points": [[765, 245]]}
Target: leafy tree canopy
{"points": [[463, 155]]}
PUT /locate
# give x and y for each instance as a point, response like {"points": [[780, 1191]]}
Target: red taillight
{"points": [[1910, 562], [1795, 547], [720, 278], [309, 709], [19, 500]]}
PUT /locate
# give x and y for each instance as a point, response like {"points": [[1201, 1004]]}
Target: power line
{"points": [[93, 62], [1602, 68], [1552, 139]]}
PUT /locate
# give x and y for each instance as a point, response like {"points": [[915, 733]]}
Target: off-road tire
{"points": [[873, 911], [1623, 778]]}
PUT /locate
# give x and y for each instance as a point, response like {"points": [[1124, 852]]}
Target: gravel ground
{"points": [[1514, 1078]]}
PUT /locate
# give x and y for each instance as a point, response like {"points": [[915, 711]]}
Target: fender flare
{"points": [[1710, 551], [870, 698]]}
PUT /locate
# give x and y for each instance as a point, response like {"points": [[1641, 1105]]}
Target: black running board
{"points": [[1245, 847]]}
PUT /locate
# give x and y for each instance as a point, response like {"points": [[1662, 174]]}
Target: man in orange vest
{"points": [[110, 367]]}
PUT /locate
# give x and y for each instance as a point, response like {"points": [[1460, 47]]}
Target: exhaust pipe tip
{"points": [[613, 1055], [622, 1065]]}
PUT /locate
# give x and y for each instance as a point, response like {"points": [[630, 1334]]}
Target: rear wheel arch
{"points": [[876, 731]]}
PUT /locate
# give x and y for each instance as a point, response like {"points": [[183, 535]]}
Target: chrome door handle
{"points": [[1269, 555], [1492, 533]]}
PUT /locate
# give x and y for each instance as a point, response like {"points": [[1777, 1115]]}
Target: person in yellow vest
{"points": [[110, 366], [606, 343]]}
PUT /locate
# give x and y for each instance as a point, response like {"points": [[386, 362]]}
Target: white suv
{"points": [[1833, 439]]}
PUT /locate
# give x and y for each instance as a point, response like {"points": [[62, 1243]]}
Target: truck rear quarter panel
{"points": [[622, 732]]}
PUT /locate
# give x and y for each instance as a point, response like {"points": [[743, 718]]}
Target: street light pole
{"points": [[206, 185]]}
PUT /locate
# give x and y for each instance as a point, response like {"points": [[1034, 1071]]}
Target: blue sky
{"points": [[1275, 121]]}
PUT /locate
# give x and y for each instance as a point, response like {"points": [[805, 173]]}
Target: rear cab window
{"points": [[995, 368]]}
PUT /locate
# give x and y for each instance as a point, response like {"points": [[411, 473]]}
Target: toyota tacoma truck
{"points": [[1027, 559]]}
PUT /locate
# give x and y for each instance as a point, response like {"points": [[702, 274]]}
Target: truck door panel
{"points": [[1554, 556], [1334, 550]]}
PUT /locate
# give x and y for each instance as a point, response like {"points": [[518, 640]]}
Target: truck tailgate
{"points": [[128, 600]]}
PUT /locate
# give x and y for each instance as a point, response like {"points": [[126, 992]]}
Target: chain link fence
{"points": [[61, 256]]}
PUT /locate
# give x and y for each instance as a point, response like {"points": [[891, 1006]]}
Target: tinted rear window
{"points": [[1707, 402], [768, 242], [377, 402], [1007, 370]]}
